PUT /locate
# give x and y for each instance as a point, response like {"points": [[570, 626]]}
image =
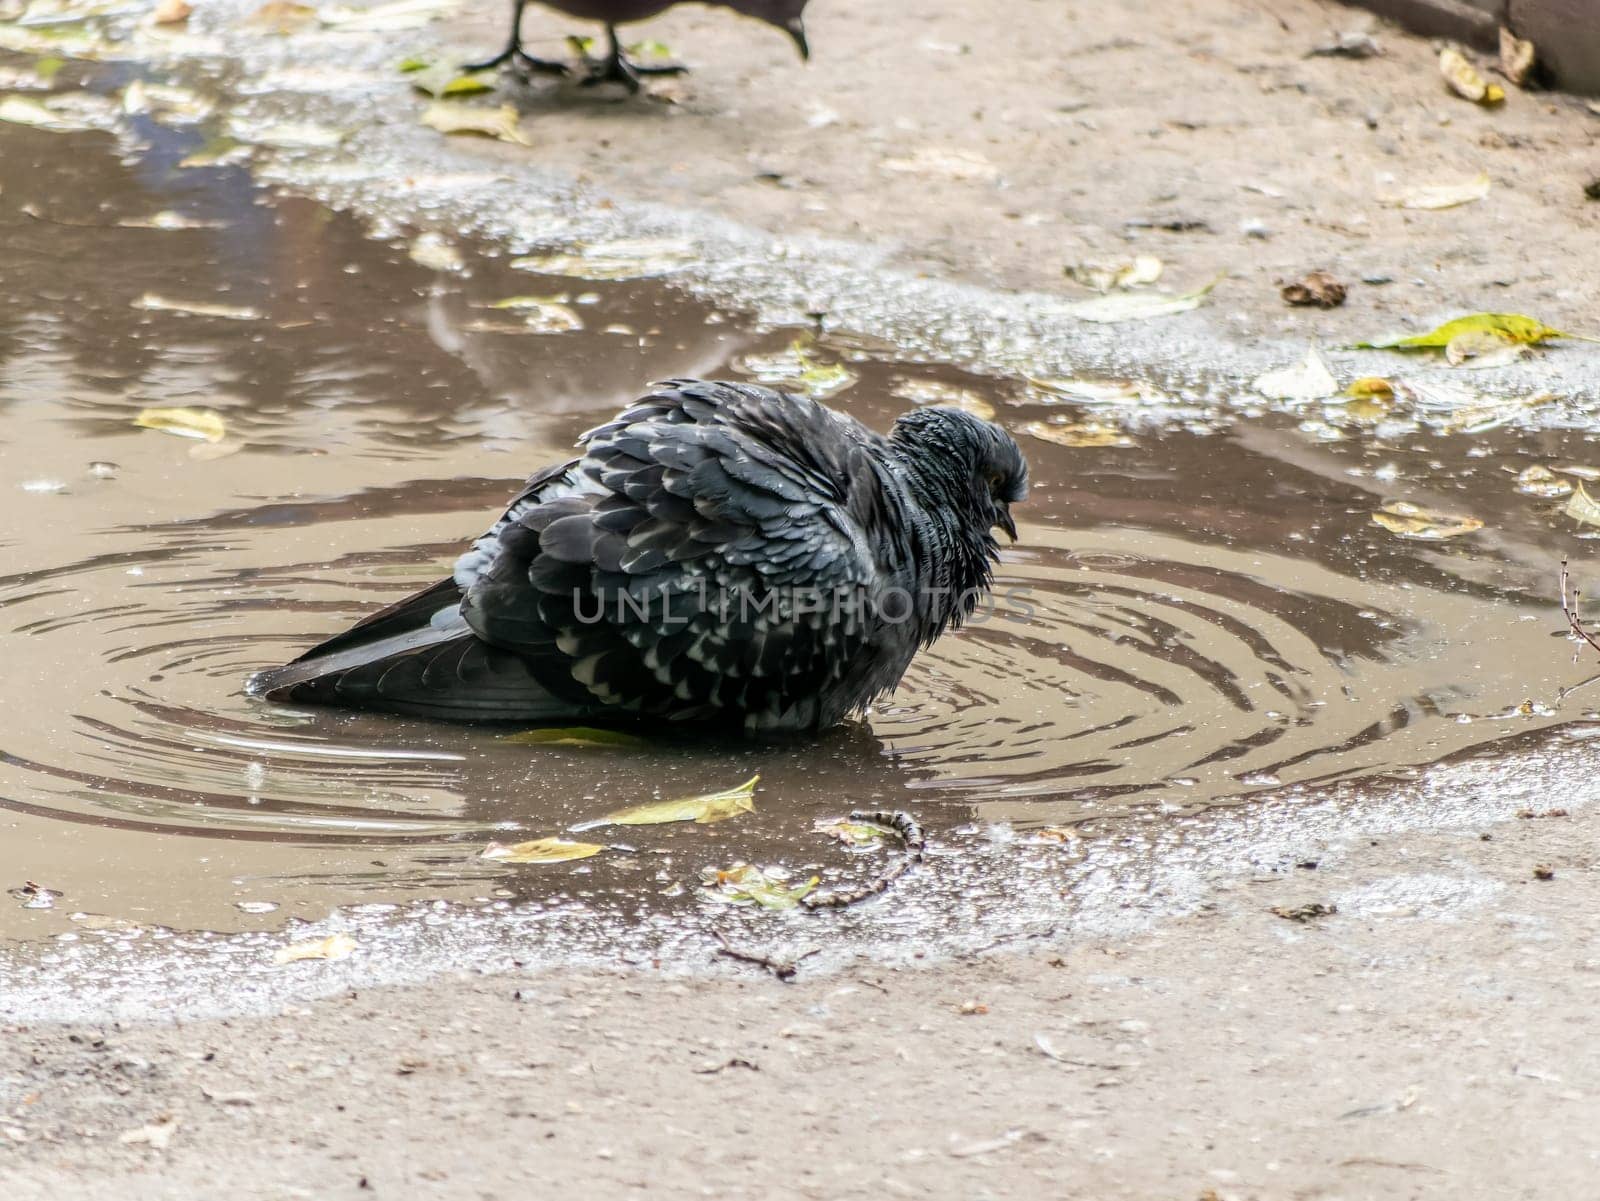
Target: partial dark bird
{"points": [[616, 67], [721, 554]]}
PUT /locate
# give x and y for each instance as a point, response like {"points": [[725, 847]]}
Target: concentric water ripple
{"points": [[1187, 619]]}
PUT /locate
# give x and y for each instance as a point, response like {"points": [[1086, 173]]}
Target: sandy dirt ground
{"points": [[1002, 149], [1429, 1039]]}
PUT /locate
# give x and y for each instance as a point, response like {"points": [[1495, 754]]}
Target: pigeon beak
{"points": [[1007, 524], [797, 30]]}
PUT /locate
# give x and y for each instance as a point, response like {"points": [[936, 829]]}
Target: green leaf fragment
{"points": [[743, 884]]}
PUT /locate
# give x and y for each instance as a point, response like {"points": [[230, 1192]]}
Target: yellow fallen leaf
{"points": [[186, 423], [702, 810], [1308, 380], [152, 303], [1516, 57], [1361, 411], [448, 79], [1464, 79], [1582, 507], [573, 736], [541, 850], [1440, 195], [1136, 306], [1541, 481], [1513, 327], [335, 946], [1423, 525], [449, 117], [1087, 434], [1371, 387]]}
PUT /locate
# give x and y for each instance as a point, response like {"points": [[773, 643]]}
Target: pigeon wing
{"points": [[712, 554]]}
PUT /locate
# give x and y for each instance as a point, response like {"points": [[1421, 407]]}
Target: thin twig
{"points": [[896, 822], [783, 969], [1574, 621]]}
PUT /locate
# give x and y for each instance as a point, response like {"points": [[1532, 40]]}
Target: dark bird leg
{"points": [[516, 55], [616, 67]]}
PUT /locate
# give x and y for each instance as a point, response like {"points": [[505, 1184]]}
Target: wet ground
{"points": [[1200, 616]]}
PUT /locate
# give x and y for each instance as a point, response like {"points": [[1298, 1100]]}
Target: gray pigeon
{"points": [[616, 67], [721, 554]]}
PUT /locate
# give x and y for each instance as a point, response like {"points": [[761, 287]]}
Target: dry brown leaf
{"points": [[171, 12], [1319, 289], [1517, 57]]}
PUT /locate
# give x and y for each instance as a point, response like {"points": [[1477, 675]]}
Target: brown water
{"points": [[1185, 621]]}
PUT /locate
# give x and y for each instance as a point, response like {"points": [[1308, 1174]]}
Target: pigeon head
{"points": [[785, 14], [966, 473], [979, 471]]}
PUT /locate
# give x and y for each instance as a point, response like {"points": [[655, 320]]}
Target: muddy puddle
{"points": [[1194, 616]]}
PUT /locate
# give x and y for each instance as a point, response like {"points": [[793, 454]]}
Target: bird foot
{"points": [[617, 67], [522, 62]]}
